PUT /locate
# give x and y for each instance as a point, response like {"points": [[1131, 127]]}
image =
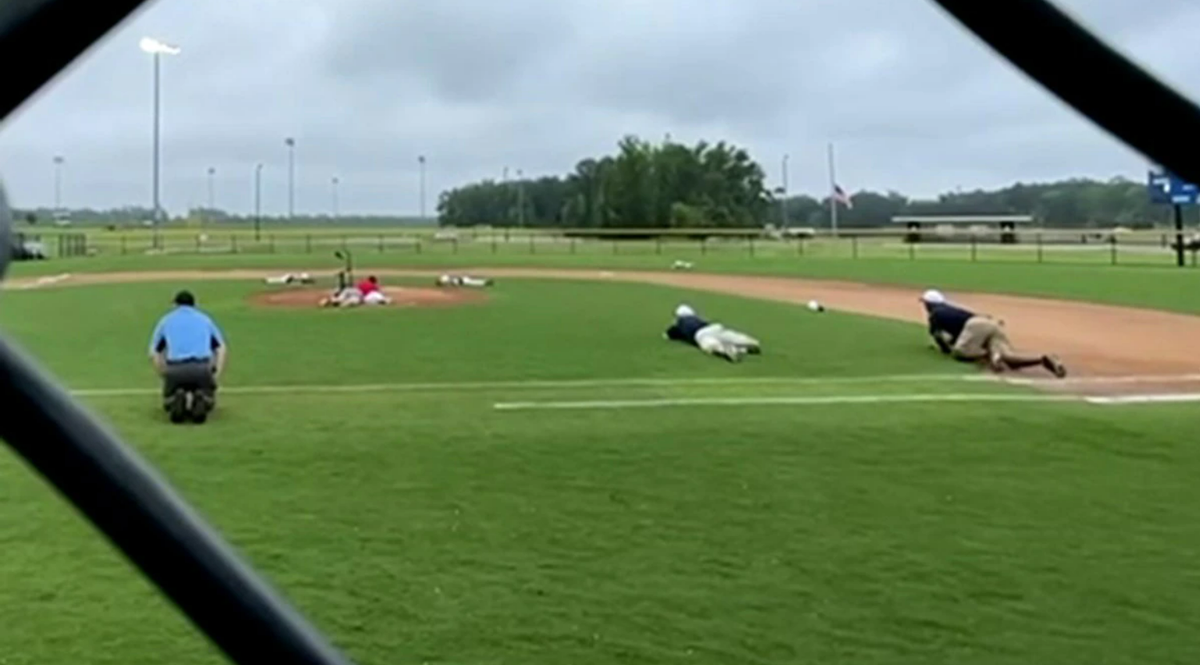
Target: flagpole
{"points": [[833, 209]]}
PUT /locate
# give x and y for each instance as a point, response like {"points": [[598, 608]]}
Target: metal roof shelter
{"points": [[963, 219], [1007, 224]]}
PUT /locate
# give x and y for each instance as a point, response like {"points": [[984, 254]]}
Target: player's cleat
{"points": [[1054, 366], [754, 350]]}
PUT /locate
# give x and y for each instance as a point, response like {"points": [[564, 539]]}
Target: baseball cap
{"points": [[933, 297], [185, 299], [684, 310]]}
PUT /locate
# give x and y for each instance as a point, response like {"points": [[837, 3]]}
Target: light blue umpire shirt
{"points": [[186, 333]]}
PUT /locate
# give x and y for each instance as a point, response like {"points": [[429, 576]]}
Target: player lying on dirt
{"points": [[978, 338], [367, 292], [464, 280], [711, 338]]}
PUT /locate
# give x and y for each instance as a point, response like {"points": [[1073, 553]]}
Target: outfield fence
{"points": [[1040, 246]]}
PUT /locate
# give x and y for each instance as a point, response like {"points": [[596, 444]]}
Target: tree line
{"points": [[671, 185]]}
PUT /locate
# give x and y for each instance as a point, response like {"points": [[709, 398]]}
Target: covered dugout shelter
{"points": [[953, 228]]}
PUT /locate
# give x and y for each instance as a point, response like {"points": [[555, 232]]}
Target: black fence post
{"points": [[1039, 246], [233, 243], [974, 248], [419, 249], [750, 245], [1112, 241], [197, 244], [271, 243], [912, 251], [493, 242], [380, 243]]}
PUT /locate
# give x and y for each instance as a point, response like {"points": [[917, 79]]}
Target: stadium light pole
{"points": [[212, 191], [258, 202], [58, 166], [291, 146], [783, 216], [520, 198], [157, 49], [421, 165], [334, 183]]}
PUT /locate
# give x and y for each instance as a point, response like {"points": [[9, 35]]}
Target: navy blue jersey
{"points": [[947, 321], [685, 328]]}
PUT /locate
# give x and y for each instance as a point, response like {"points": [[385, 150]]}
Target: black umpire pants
{"points": [[189, 375]]}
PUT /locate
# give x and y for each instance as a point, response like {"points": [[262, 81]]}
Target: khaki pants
{"points": [[981, 337]]}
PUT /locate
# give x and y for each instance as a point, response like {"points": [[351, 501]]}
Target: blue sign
{"points": [[1166, 187]]}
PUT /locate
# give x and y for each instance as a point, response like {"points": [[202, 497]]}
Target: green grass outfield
{"points": [[359, 459], [1160, 287]]}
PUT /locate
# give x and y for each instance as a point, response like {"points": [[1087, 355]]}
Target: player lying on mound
{"points": [[711, 338], [366, 293], [464, 280], [972, 337]]}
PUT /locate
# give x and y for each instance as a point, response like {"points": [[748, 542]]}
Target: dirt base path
{"points": [[1094, 340]]}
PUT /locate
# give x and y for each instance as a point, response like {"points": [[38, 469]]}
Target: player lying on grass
{"points": [[978, 338], [367, 292], [188, 352], [711, 338], [464, 280], [291, 278]]}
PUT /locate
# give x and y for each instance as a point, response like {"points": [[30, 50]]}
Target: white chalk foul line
{"points": [[1122, 400], [831, 400], [534, 384], [1105, 380]]}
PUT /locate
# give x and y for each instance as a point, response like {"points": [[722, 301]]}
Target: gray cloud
{"points": [[912, 102]]}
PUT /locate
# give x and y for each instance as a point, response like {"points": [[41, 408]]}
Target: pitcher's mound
{"points": [[401, 297]]}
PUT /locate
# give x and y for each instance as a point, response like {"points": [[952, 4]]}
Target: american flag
{"points": [[842, 197]]}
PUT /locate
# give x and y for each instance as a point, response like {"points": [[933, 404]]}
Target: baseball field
{"points": [[533, 475]]}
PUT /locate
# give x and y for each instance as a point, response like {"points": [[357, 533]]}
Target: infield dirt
{"points": [[1094, 340]]}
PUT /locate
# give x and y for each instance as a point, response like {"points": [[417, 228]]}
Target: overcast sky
{"points": [[365, 86]]}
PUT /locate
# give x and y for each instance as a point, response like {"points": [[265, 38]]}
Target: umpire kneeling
{"points": [[188, 351]]}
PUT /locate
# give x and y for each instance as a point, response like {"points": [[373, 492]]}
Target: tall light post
{"points": [[334, 184], [783, 216], [291, 146], [212, 190], [58, 166], [258, 202], [520, 198], [157, 49], [421, 165]]}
